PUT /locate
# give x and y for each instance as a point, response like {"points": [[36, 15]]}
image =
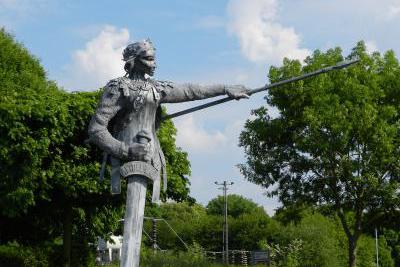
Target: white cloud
{"points": [[394, 11], [99, 61], [261, 37], [371, 46], [194, 138]]}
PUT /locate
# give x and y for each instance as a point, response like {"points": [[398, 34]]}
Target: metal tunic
{"points": [[128, 107], [141, 117], [143, 104]]}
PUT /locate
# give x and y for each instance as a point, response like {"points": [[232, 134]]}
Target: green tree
{"points": [[49, 185], [335, 141], [178, 164], [183, 217], [366, 252], [249, 229], [323, 242], [194, 224], [248, 222], [237, 205], [393, 240]]}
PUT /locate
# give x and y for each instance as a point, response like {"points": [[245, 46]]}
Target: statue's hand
{"points": [[237, 91], [139, 151]]}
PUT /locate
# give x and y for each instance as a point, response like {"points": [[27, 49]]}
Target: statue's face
{"points": [[146, 62]]}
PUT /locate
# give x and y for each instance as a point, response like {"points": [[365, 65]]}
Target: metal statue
{"points": [[125, 125]]}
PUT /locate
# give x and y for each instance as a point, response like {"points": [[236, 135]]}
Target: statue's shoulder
{"points": [[119, 85], [162, 85]]}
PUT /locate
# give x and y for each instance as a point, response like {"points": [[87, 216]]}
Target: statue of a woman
{"points": [[129, 110]]}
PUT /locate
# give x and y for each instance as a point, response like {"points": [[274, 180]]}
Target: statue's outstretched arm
{"points": [[110, 104], [174, 93]]}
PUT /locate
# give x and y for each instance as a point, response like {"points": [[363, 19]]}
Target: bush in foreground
{"points": [[15, 255]]}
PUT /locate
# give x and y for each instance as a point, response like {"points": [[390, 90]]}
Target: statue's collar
{"points": [[138, 77]]}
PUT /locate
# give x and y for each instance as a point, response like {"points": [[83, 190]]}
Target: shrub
{"points": [[366, 253], [15, 255]]}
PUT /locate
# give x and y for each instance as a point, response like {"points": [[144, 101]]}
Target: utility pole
{"points": [[225, 239]]}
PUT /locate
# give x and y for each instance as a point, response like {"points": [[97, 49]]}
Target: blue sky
{"points": [[219, 41]]}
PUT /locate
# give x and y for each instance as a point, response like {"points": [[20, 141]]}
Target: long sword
{"points": [[341, 65]]}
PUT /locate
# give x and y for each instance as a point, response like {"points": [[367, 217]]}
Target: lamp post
{"points": [[225, 239]]}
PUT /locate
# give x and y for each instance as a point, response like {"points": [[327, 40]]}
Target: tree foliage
{"points": [[314, 240], [237, 205], [335, 141], [323, 242], [196, 225], [178, 164]]}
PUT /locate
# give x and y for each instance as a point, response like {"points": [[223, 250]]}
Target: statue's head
{"points": [[140, 57]]}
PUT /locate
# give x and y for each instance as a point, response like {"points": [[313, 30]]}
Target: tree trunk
{"points": [[67, 225], [352, 238], [352, 250]]}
